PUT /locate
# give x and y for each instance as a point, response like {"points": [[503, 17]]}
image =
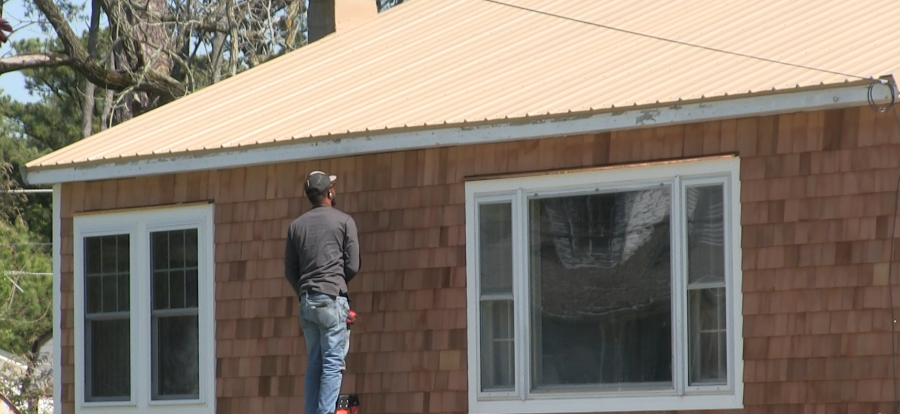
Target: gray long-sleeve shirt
{"points": [[322, 252]]}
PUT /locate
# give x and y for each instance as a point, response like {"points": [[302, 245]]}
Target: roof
{"points": [[432, 63]]}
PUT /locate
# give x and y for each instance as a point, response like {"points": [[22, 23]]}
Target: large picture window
{"points": [[144, 310], [615, 289]]}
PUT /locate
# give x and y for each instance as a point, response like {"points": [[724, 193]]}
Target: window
{"points": [[107, 320], [615, 289], [144, 310], [175, 344]]}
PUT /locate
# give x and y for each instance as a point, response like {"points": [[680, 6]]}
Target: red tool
{"points": [[347, 404]]}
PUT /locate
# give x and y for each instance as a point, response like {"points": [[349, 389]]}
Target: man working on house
{"points": [[321, 256]]}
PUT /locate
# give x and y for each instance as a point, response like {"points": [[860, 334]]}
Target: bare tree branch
{"points": [[32, 61], [63, 30], [155, 83], [153, 51]]}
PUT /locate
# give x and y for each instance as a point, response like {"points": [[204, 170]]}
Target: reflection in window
{"points": [[706, 284], [601, 289], [497, 336], [107, 318], [175, 337]]}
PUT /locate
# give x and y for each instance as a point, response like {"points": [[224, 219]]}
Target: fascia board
{"points": [[676, 113]]}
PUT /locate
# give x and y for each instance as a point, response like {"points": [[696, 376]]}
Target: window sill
{"points": [[167, 407], [185, 402], [580, 403], [91, 404]]}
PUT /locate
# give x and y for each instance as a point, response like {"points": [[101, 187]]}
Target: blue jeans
{"points": [[323, 320]]}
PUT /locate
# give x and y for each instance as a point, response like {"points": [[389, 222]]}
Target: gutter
{"points": [[672, 113]]}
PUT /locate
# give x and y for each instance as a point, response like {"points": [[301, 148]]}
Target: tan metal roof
{"points": [[435, 62]]}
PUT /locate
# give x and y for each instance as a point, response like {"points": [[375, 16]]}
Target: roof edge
{"points": [[669, 113]]}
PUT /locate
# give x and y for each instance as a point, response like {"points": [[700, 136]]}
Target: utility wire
{"points": [[26, 191], [680, 42], [22, 273]]}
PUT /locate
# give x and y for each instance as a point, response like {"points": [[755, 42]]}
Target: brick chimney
{"points": [[328, 16]]}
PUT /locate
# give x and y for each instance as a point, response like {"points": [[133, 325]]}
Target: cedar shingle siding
{"points": [[817, 199]]}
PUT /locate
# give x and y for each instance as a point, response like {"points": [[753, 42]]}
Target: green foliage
{"points": [[25, 292], [16, 148], [29, 130]]}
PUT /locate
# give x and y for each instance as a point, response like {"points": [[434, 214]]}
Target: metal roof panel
{"points": [[435, 62]]}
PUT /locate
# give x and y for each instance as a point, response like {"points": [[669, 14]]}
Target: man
{"points": [[321, 256]]}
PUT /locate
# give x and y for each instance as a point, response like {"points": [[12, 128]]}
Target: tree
{"points": [[143, 53], [25, 313], [148, 52], [25, 130], [25, 266]]}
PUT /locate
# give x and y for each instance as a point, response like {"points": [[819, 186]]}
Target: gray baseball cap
{"points": [[318, 182]]}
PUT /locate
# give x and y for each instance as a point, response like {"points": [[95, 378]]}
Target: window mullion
{"points": [[140, 312], [732, 290], [520, 293], [679, 291]]}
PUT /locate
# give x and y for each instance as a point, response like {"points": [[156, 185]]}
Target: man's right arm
{"points": [[292, 263]]}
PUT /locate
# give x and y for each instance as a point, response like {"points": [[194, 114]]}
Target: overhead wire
{"points": [[681, 42]]}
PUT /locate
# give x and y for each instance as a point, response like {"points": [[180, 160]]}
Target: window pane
{"points": [[495, 248], [108, 355], [190, 285], [109, 251], [94, 295], [190, 248], [176, 289], [707, 330], [176, 369], [160, 290], [705, 234], [123, 254], [175, 269], [110, 293], [495, 268], [107, 342], [92, 255], [124, 292], [497, 345], [160, 250], [601, 289], [176, 249], [106, 273]]}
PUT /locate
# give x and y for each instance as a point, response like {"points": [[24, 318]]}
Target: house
{"points": [[564, 206]]}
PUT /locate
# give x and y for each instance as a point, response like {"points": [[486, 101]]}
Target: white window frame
{"points": [[519, 190], [139, 224]]}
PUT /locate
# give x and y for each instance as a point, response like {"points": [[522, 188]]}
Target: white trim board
{"points": [[57, 299], [677, 113]]}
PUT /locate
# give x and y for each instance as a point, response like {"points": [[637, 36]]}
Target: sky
{"points": [[13, 83]]}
